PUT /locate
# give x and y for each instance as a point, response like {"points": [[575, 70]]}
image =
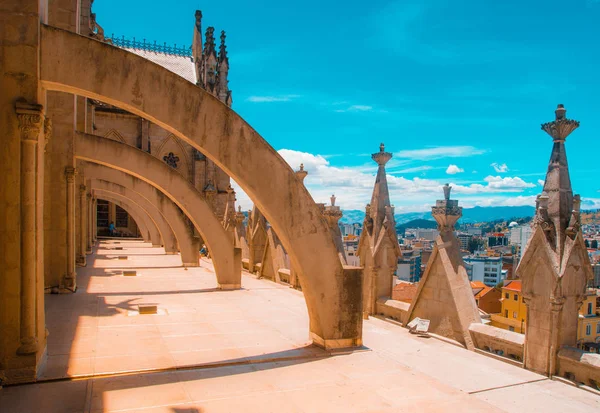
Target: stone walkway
{"points": [[247, 350]]}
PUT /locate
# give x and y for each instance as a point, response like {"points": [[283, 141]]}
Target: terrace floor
{"points": [[248, 350]]}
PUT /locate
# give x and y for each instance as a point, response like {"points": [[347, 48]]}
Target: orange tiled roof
{"points": [[480, 289], [513, 286], [404, 292]]}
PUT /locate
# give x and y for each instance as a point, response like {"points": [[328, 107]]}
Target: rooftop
{"points": [[248, 350], [513, 286]]}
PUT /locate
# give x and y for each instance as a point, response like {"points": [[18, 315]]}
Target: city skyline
{"points": [[326, 88]]}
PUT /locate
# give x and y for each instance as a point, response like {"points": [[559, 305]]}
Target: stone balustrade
{"points": [[579, 366], [498, 341]]}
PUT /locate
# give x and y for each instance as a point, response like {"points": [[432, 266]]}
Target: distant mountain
{"points": [[470, 215], [416, 223], [486, 214]]}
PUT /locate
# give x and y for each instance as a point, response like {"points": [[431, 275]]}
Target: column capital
{"points": [[82, 189], [70, 173], [31, 118]]}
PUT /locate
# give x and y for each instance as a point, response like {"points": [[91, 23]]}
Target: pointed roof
{"points": [[381, 196], [558, 183]]}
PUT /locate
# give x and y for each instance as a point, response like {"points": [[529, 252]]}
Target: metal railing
{"points": [[151, 47]]}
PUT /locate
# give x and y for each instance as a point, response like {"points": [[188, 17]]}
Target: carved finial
{"points": [[447, 189], [301, 173], [332, 200], [239, 208], [543, 200], [222, 47], [560, 112], [381, 157], [209, 44], [561, 127]]}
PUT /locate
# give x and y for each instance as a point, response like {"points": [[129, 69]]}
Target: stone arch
{"points": [[148, 197], [175, 187], [142, 220], [169, 238], [114, 135], [154, 218], [172, 144], [128, 81]]}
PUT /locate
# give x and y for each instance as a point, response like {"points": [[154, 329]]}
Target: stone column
{"points": [[82, 245], [89, 225], [30, 123], [95, 219], [70, 278]]}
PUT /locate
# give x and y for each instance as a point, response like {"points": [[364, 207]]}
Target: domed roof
{"points": [[513, 224]]}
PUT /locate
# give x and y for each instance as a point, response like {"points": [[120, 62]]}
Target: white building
{"points": [[519, 235], [486, 269], [427, 234], [464, 239]]}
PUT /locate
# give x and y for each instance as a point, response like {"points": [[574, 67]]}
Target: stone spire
{"points": [[555, 266], [229, 221], [223, 92], [197, 44], [209, 62], [333, 214], [380, 200], [558, 195], [378, 245], [444, 295]]}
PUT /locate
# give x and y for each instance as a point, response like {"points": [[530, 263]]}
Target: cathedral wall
{"points": [[123, 128]]}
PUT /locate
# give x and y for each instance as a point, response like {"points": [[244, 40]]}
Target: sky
{"points": [[456, 90]]}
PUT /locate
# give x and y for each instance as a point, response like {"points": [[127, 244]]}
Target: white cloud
{"points": [[508, 183], [411, 170], [269, 99], [353, 185], [356, 108], [439, 152], [488, 201], [500, 168], [541, 182], [453, 170]]}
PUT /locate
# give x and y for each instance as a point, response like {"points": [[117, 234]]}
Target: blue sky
{"points": [[457, 90]]}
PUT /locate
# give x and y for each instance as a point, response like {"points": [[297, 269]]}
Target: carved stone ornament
{"points": [[30, 118], [171, 159], [47, 131]]}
